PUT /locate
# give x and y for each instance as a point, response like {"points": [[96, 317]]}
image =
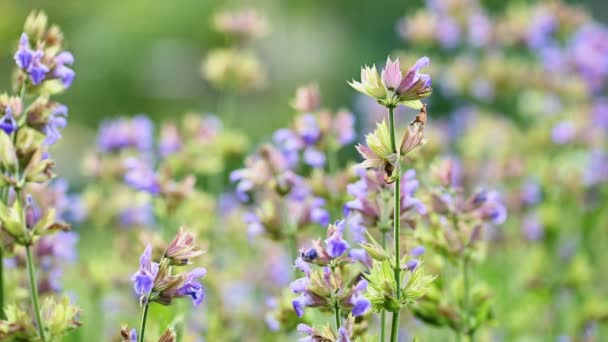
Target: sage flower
{"points": [[392, 88]]}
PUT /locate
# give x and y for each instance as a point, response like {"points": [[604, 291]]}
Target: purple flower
{"points": [[563, 132], [140, 176], [493, 209], [7, 122], [448, 32], [417, 251], [344, 127], [133, 335], [542, 26], [301, 302], [126, 133], [318, 213], [480, 29], [532, 228], [30, 61], [192, 287], [61, 71], [170, 141], [143, 279], [138, 215], [412, 264], [24, 55], [255, 226], [314, 157], [336, 245], [596, 171], [308, 129], [57, 120], [588, 50], [360, 304]]}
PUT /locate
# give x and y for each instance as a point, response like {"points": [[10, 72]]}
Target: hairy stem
{"points": [[396, 228], [34, 291]]}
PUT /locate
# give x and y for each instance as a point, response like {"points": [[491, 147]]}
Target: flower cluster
{"points": [[331, 285], [32, 212], [392, 88], [154, 281]]}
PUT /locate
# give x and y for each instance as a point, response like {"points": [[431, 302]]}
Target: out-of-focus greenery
{"points": [[143, 56]]}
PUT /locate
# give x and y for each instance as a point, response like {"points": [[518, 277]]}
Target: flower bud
{"points": [[60, 317], [39, 169], [182, 249], [12, 222], [8, 157], [374, 249], [35, 25]]}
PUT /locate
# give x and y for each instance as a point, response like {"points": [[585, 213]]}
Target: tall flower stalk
{"points": [[391, 89], [396, 225]]}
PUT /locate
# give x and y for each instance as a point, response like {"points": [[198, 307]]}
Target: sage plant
{"points": [[392, 89], [31, 122]]}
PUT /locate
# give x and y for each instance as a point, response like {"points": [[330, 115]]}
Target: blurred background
{"points": [[144, 56]]}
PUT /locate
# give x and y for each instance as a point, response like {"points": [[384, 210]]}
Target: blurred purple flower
{"points": [[61, 71], [139, 175], [57, 120], [7, 122], [30, 61], [563, 132], [126, 133]]}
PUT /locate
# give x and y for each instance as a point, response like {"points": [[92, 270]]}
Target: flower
{"points": [[192, 287], [360, 304], [124, 133], [182, 248], [307, 99], [378, 153], [140, 176], [61, 71], [57, 120], [143, 280], [392, 87], [336, 245], [7, 122], [30, 61]]}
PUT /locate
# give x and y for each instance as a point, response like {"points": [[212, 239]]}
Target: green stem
{"points": [[144, 318], [337, 312], [396, 223], [2, 315], [383, 313], [34, 291], [465, 302], [4, 199], [395, 327]]}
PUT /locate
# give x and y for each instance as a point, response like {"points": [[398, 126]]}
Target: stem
{"points": [[4, 199], [144, 317], [383, 313], [396, 223], [34, 291], [2, 315], [337, 312], [465, 302], [395, 327]]}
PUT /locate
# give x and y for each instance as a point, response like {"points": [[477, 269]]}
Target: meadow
{"points": [[439, 173]]}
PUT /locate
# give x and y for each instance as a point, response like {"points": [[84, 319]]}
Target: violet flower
{"points": [[7, 122], [61, 71], [192, 287], [143, 279]]}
